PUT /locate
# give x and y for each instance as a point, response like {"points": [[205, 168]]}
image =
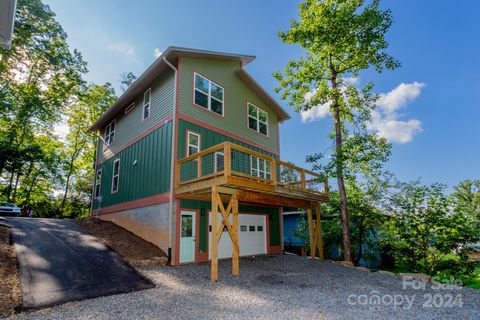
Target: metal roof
{"points": [[171, 54]]}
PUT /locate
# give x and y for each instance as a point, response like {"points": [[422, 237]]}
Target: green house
{"points": [[193, 122]]}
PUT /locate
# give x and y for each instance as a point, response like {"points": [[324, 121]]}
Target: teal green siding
{"points": [[236, 95], [144, 169], [129, 126], [205, 206], [208, 138]]}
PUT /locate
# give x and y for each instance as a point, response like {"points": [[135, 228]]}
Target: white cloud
{"points": [[395, 130], [157, 53], [316, 112], [387, 121], [123, 48], [399, 97]]}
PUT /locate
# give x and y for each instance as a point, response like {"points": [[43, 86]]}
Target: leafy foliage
{"points": [[340, 39], [41, 87]]}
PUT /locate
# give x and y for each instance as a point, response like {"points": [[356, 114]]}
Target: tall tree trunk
{"points": [[347, 246], [14, 195], [10, 184]]}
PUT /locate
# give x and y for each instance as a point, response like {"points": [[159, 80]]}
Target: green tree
{"points": [[126, 80], [467, 196], [38, 76], [341, 38], [426, 227], [79, 152]]}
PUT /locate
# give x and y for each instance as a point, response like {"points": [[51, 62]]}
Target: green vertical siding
{"points": [[205, 206], [129, 126], [208, 139], [236, 95], [144, 169]]}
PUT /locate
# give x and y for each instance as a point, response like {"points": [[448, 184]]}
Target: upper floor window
{"points": [[116, 175], [208, 95], [260, 168], [146, 104], [193, 143], [98, 183], [257, 119], [130, 107], [110, 133]]}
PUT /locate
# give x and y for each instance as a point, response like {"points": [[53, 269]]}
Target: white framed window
{"points": [[260, 167], [109, 133], [146, 103], [208, 94], [115, 175], [130, 107], [98, 184], [218, 164], [193, 143], [257, 119]]}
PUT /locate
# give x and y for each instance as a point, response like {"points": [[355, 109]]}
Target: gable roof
{"points": [[159, 66]]}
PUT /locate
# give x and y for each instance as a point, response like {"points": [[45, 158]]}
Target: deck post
{"points": [[214, 240], [318, 232], [311, 232], [235, 243], [227, 162]]}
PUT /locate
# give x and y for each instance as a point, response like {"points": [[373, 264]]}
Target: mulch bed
{"points": [[135, 250], [10, 291]]}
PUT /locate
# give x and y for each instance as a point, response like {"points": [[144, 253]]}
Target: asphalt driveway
{"points": [[60, 262]]}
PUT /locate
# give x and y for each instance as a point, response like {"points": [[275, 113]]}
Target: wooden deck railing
{"points": [[228, 159]]}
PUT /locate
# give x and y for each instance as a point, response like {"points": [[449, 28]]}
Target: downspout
{"points": [[172, 161]]}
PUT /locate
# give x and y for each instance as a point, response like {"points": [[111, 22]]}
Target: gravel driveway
{"points": [[270, 287]]}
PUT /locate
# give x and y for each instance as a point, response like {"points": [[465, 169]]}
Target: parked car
{"points": [[9, 209]]}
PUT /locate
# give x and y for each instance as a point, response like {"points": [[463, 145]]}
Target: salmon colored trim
{"points": [[225, 133], [160, 124], [276, 250], [148, 201], [177, 240]]}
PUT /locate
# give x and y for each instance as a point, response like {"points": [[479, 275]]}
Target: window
{"points": [[259, 228], [193, 141], [109, 133], [219, 161], [257, 119], [208, 94], [146, 104], [130, 107], [243, 228], [251, 228], [98, 183], [260, 168], [187, 227], [116, 175]]}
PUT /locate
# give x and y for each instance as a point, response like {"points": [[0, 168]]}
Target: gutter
{"points": [[172, 161]]}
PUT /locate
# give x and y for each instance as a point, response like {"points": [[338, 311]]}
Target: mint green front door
{"points": [[187, 236]]}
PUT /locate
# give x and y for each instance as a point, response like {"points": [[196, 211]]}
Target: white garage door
{"points": [[252, 236]]}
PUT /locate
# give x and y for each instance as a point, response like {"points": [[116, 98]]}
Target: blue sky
{"points": [[429, 107]]}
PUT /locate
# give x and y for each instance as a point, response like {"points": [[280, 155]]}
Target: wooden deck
{"points": [[254, 177], [228, 173]]}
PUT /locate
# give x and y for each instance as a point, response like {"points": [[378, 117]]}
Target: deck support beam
{"points": [[315, 233], [217, 231]]}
